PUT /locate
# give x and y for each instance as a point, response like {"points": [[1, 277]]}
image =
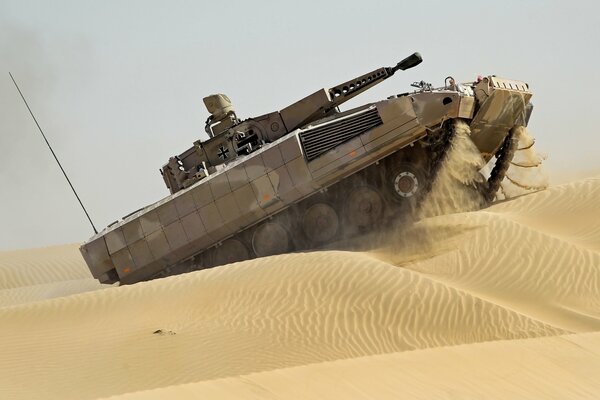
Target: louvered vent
{"points": [[325, 137]]}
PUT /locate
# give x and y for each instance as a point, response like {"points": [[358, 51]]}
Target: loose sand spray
{"points": [[455, 190], [455, 186], [526, 173], [463, 170]]}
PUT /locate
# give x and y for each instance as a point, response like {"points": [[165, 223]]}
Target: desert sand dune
{"points": [[42, 274], [495, 275], [559, 367], [38, 266], [571, 212], [45, 291], [254, 316], [536, 255]]}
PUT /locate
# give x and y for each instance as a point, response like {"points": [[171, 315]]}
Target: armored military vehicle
{"points": [[306, 175]]}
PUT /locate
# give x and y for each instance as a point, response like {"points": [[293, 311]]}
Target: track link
{"points": [[504, 157]]}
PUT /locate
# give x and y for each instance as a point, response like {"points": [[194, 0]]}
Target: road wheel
{"points": [[320, 223], [270, 238]]}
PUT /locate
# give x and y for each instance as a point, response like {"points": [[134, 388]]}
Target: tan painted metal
{"points": [[250, 170]]}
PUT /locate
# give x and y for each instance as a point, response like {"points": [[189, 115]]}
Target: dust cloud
{"points": [[464, 171], [36, 197], [455, 187], [18, 49], [526, 173]]}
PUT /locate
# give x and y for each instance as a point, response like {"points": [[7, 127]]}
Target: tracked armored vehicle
{"points": [[306, 175]]}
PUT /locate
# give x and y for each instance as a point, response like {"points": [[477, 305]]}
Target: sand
{"points": [[497, 303], [557, 367], [40, 274]]}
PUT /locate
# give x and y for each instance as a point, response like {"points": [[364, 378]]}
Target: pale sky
{"points": [[117, 86]]}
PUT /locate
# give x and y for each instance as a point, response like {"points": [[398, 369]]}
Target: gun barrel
{"points": [[323, 101], [347, 90], [411, 61]]}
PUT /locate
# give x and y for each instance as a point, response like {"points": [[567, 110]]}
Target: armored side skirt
{"points": [[252, 188]]}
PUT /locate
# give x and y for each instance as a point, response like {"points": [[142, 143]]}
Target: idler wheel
{"points": [[406, 182], [270, 238], [320, 223], [230, 251], [364, 207]]}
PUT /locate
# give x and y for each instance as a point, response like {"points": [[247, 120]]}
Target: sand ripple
{"points": [[254, 316], [559, 367], [536, 255], [512, 271], [38, 266]]}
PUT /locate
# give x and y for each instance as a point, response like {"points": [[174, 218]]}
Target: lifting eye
{"points": [[447, 100]]}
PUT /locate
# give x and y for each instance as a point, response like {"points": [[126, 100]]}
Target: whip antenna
{"points": [[53, 154]]}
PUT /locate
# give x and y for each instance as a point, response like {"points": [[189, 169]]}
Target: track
{"points": [[504, 157], [389, 191]]}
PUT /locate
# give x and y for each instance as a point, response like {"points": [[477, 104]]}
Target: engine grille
{"points": [[322, 138]]}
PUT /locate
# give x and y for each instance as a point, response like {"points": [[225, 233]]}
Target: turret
{"points": [[230, 137]]}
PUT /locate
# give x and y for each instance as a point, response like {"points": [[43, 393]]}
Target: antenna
{"points": [[54, 154]]}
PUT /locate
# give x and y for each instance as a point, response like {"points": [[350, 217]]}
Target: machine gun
{"points": [[231, 138]]}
